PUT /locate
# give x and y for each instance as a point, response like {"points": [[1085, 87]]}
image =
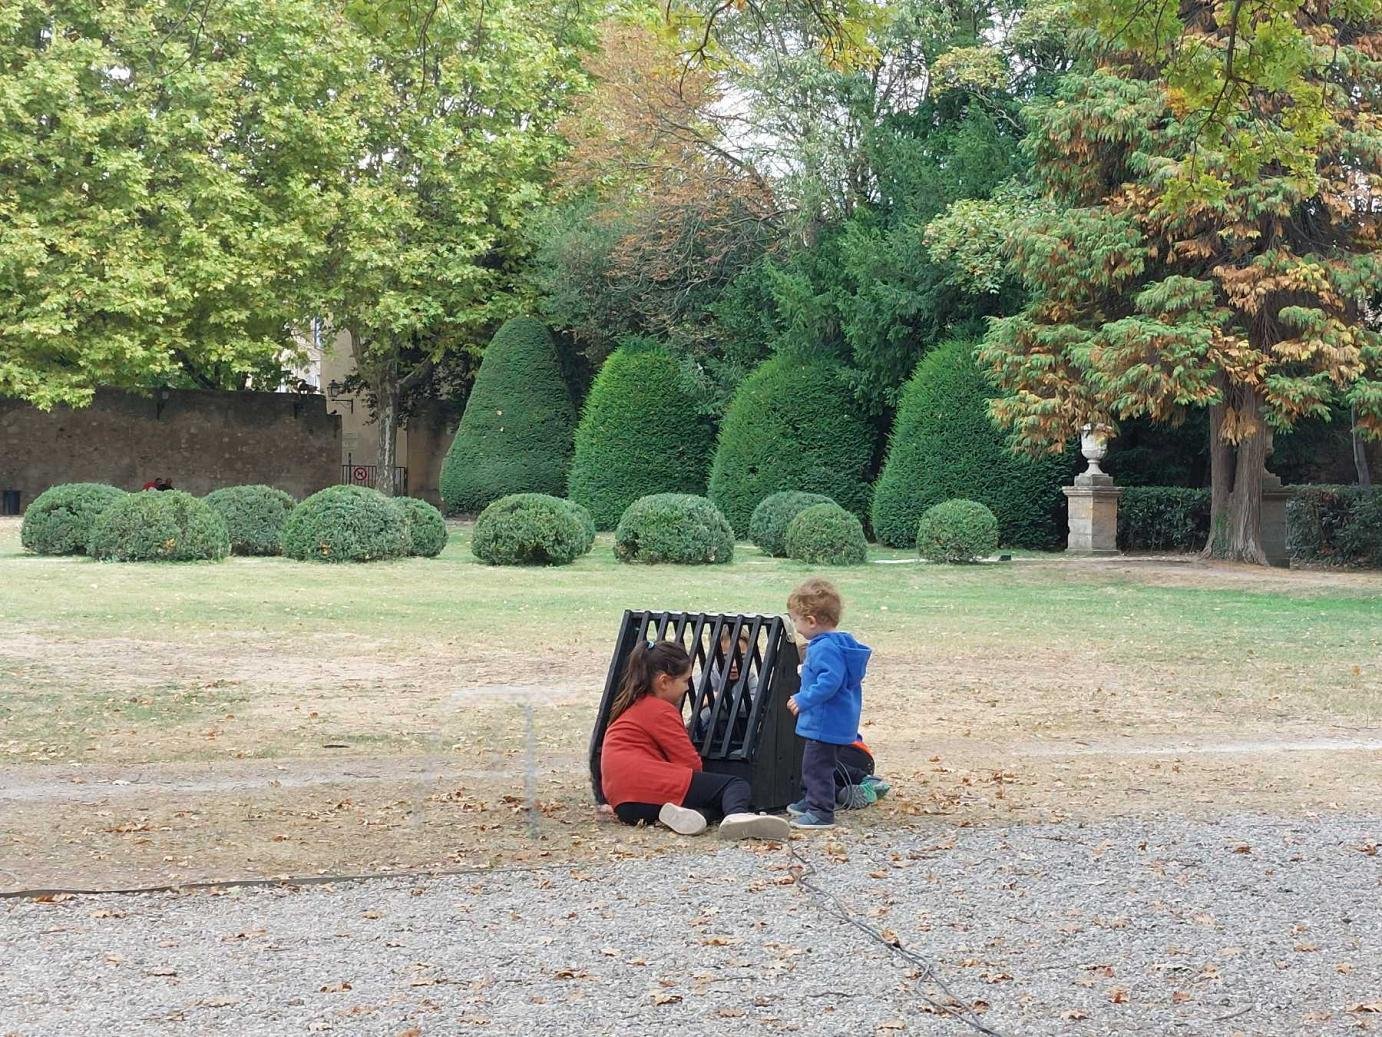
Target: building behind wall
{"points": [[419, 447]]}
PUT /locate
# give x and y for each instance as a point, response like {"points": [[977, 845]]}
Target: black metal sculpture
{"points": [[743, 669]]}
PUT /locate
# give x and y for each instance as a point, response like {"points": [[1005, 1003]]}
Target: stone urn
{"points": [[1094, 446]]}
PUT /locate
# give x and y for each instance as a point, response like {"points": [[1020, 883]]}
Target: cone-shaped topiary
{"points": [[826, 534], [159, 526], [957, 531], [345, 524], [59, 520], [639, 434], [793, 425], [769, 522], [254, 517], [944, 446], [426, 527], [516, 433], [531, 529], [674, 527]]}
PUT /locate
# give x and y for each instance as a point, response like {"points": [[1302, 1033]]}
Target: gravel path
{"points": [[1249, 925]]}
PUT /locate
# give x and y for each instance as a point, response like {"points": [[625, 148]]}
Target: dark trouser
{"points": [[721, 794], [852, 766], [818, 762]]}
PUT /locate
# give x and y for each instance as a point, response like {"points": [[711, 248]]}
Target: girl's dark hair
{"points": [[645, 662]]}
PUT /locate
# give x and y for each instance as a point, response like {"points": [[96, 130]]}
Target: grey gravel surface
{"points": [[1247, 925]]}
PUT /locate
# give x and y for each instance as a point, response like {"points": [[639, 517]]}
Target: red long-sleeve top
{"points": [[647, 756]]}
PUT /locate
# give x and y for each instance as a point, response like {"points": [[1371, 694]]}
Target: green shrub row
{"points": [[1163, 518], [1339, 525]]}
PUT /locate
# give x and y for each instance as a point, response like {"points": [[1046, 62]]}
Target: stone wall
{"points": [[199, 440]]}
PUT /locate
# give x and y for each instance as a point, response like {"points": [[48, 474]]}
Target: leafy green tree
{"points": [[639, 434], [516, 433], [455, 117], [166, 188], [792, 426], [1202, 235]]}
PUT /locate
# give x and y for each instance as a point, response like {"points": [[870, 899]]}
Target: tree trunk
{"points": [[1360, 455], [386, 392], [1243, 530], [1221, 462]]}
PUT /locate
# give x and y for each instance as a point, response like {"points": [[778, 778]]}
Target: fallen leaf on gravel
{"points": [[52, 898], [1242, 848], [892, 1024], [663, 998], [1366, 1006], [609, 952], [1074, 1015], [1118, 996], [572, 973], [1369, 848], [719, 941], [371, 914], [1307, 947], [878, 874], [1179, 997], [1343, 968], [730, 1013], [411, 1031], [335, 988]]}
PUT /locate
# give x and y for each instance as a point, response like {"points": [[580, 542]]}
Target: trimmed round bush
{"points": [[530, 529], [945, 446], [516, 433], [674, 527], [793, 425], [639, 434], [769, 522], [254, 517], [826, 534], [159, 526], [59, 520], [426, 527], [957, 531], [345, 524]]}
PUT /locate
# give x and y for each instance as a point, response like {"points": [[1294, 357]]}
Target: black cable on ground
{"points": [[955, 1008], [286, 882]]}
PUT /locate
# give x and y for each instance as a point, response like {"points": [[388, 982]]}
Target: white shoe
{"points": [[682, 820], [755, 826]]}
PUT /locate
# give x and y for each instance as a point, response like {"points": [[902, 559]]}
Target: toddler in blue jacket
{"points": [[831, 698]]}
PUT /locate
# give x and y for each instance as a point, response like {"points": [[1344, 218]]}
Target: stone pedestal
{"points": [[1274, 500], [1093, 507]]}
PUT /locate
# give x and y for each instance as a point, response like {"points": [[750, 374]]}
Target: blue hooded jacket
{"points": [[832, 695]]}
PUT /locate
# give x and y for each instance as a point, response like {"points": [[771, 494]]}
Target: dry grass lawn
{"points": [[266, 717]]}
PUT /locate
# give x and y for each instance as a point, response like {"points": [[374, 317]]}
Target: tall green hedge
{"points": [[516, 433], [639, 434], [944, 446], [793, 425]]}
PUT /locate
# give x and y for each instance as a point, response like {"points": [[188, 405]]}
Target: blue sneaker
{"points": [[798, 808], [855, 797], [878, 786], [810, 819]]}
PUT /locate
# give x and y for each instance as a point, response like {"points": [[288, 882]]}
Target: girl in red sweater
{"points": [[650, 771]]}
